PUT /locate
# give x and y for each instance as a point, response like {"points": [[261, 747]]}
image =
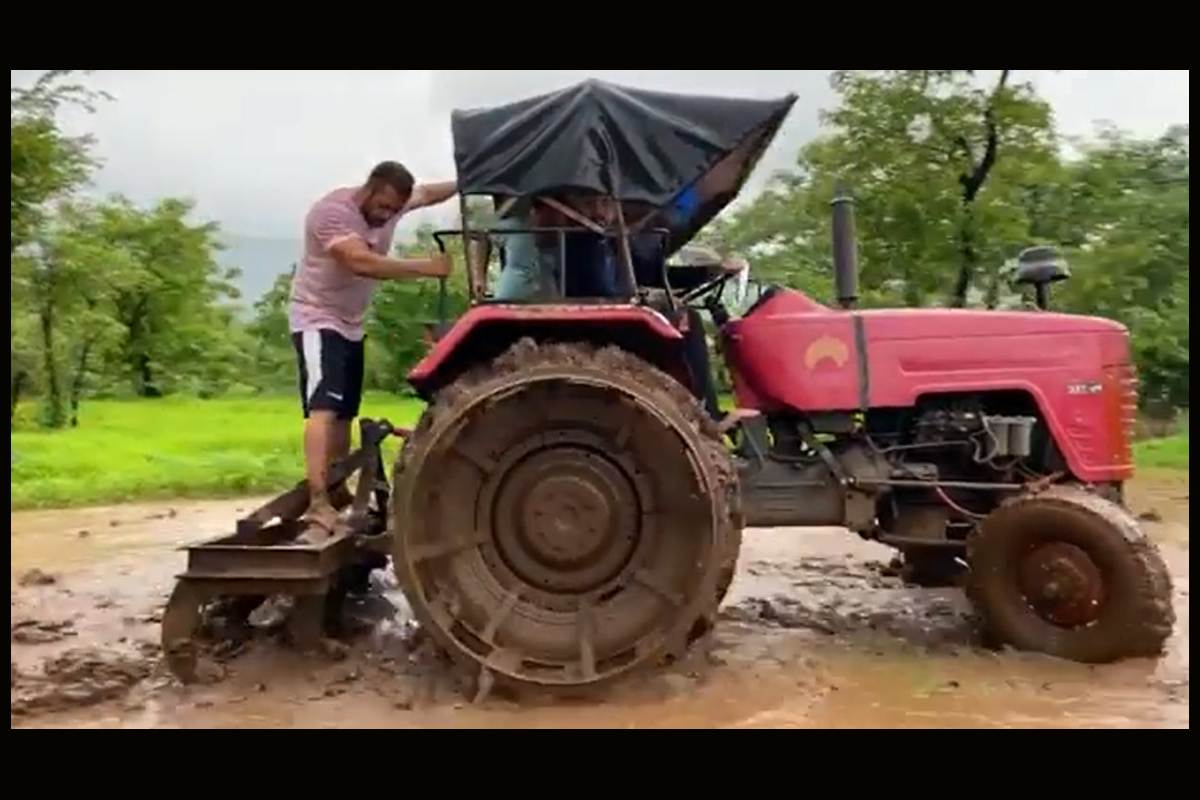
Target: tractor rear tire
{"points": [[563, 517], [1070, 574], [729, 569]]}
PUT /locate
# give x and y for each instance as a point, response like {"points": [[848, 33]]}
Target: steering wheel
{"points": [[741, 284]]}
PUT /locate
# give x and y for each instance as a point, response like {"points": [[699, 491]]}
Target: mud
{"points": [[438, 489], [815, 633]]}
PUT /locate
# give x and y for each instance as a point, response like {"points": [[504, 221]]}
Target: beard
{"points": [[373, 220]]}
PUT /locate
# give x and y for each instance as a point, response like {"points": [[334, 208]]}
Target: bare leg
{"points": [[339, 448], [339, 445], [320, 439]]}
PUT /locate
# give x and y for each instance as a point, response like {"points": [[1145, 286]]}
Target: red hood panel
{"points": [[924, 323], [793, 354]]}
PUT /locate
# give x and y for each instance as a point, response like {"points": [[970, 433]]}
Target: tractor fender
{"points": [[487, 331]]}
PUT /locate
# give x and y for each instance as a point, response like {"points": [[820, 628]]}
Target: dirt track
{"points": [[814, 635]]}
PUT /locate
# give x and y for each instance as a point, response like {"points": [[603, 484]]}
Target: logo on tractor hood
{"points": [[826, 348]]}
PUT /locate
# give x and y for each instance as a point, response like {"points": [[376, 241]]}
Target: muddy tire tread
{"points": [[528, 353], [1150, 615]]}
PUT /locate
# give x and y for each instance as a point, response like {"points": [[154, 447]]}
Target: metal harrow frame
{"points": [[229, 577]]}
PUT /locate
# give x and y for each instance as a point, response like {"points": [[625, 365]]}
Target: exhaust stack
{"points": [[845, 248]]}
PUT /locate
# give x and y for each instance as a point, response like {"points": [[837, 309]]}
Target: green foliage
{"points": [[122, 299], [184, 447], [44, 163], [274, 360], [171, 447], [396, 325], [1128, 210], [1171, 453], [175, 329], [400, 314], [909, 144], [107, 297], [954, 172]]}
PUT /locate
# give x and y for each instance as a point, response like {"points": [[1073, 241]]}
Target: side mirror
{"points": [[1041, 267]]}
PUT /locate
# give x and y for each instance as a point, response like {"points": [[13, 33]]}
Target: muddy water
{"points": [[815, 634]]}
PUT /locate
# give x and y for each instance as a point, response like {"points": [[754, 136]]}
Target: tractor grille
{"points": [[1121, 393]]}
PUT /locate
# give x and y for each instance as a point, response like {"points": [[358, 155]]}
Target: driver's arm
{"points": [[684, 208]]}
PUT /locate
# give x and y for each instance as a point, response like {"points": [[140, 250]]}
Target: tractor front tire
{"points": [[1070, 574], [563, 517]]}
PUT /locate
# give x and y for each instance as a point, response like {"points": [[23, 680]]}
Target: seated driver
{"points": [[589, 268], [592, 271], [648, 252], [695, 346], [531, 263], [528, 271]]}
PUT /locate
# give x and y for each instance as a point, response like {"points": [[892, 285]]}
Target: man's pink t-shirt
{"points": [[326, 295]]}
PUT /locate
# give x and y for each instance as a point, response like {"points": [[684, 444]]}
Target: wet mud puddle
{"points": [[815, 634]]}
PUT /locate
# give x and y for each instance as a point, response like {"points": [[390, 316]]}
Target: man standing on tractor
{"points": [[347, 236]]}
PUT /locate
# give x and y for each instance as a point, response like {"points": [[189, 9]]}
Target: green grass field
{"points": [[1169, 453], [180, 447]]}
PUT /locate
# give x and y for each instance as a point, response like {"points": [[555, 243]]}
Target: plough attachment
{"points": [[228, 578]]}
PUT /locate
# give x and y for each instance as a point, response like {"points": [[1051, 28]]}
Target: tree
{"points": [[118, 294], [401, 313], [274, 359], [168, 305], [70, 267], [938, 166], [951, 174], [1125, 209], [45, 165], [44, 162]]}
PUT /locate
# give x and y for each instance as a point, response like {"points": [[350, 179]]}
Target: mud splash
{"points": [[815, 633]]}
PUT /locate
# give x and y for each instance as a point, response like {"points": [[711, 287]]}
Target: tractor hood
{"points": [[925, 323]]}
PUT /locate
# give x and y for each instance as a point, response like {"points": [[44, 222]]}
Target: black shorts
{"points": [[331, 372]]}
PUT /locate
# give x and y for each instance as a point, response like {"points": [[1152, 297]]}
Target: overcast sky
{"points": [[256, 147]]}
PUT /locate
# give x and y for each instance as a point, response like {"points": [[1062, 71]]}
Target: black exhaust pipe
{"points": [[845, 248]]}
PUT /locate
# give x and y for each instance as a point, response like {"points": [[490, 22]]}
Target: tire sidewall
{"points": [[468, 393], [1004, 539]]}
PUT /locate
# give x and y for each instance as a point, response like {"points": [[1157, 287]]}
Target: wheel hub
{"points": [[1063, 584], [566, 520]]}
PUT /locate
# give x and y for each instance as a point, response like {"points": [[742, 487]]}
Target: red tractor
{"points": [[569, 508], [567, 512]]}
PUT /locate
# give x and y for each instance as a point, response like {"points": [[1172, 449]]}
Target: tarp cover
{"points": [[566, 141]]}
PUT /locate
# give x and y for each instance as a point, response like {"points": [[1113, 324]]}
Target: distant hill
{"points": [[260, 260]]}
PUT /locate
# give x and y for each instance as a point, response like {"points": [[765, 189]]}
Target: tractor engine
{"points": [[989, 436], [966, 443], [908, 477], [961, 452]]}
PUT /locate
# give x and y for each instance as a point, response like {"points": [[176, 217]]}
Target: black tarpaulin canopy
{"points": [[631, 144]]}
